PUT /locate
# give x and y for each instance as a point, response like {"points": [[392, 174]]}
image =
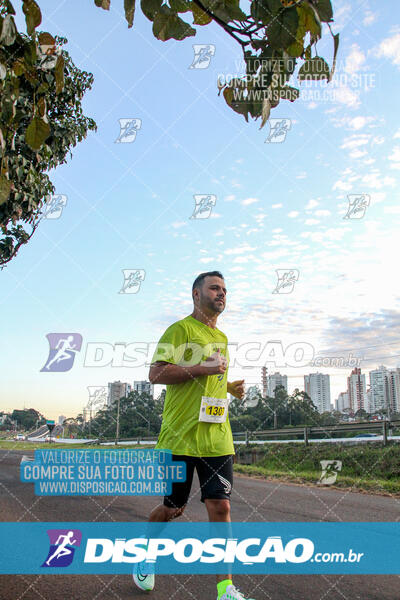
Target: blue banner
{"points": [[174, 548], [102, 472]]}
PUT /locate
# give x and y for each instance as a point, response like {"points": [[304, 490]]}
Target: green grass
{"points": [[364, 467]]}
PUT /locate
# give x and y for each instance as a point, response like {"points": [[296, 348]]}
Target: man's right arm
{"points": [[168, 373]]}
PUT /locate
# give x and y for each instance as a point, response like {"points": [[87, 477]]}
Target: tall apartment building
{"points": [[274, 380], [357, 390], [385, 389], [143, 387], [117, 390], [317, 386], [342, 401], [368, 401], [394, 389], [264, 381]]}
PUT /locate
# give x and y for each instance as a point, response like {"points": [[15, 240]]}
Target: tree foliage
{"points": [[139, 415], [27, 418], [41, 119], [280, 411], [41, 89], [274, 35]]}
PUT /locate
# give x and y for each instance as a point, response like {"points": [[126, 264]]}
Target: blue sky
{"points": [[278, 206]]}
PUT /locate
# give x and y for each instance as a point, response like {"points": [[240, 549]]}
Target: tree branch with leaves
{"points": [[41, 119], [41, 89], [274, 36]]}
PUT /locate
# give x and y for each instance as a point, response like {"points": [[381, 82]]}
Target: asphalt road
{"points": [[252, 500]]}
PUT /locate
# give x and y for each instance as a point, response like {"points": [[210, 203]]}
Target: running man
{"points": [[191, 359], [62, 549], [63, 346]]}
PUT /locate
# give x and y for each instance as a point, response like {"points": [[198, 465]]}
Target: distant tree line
{"points": [[22, 419], [140, 415]]}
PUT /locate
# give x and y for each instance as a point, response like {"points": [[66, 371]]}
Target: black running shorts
{"points": [[215, 475]]}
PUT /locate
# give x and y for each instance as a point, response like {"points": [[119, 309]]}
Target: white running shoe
{"points": [[232, 593], [144, 581]]}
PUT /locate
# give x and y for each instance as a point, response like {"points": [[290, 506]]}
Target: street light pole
{"points": [[117, 428]]}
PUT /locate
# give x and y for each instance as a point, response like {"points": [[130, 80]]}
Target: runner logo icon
{"points": [[63, 347], [62, 547]]}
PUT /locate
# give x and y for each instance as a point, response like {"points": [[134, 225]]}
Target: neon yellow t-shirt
{"points": [[189, 342]]}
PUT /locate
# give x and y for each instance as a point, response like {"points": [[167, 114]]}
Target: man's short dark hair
{"points": [[198, 282]]}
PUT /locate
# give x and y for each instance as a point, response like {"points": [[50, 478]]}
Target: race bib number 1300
{"points": [[213, 410]]}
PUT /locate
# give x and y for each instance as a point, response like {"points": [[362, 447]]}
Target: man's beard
{"points": [[213, 304]]}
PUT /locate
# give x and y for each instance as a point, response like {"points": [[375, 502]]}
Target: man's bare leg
{"points": [[219, 511], [162, 513]]}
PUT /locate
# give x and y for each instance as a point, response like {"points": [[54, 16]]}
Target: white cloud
{"points": [[377, 181], [378, 197], [342, 14], [229, 198], [248, 201], [358, 153], [392, 210], [311, 222], [239, 250], [277, 206], [359, 122], [311, 204], [390, 48], [178, 224], [355, 140], [293, 214], [345, 95], [333, 234], [378, 140], [369, 18], [301, 175], [242, 259], [260, 217], [323, 213], [395, 157], [235, 269], [354, 123], [354, 60], [344, 186]]}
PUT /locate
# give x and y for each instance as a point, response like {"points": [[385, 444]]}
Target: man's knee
{"points": [[219, 509]]}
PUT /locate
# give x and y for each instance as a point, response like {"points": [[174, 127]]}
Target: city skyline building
{"points": [[356, 389], [342, 401], [143, 387], [116, 391], [317, 386], [274, 380]]}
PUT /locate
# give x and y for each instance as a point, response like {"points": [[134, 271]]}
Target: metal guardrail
{"points": [[306, 432]]}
